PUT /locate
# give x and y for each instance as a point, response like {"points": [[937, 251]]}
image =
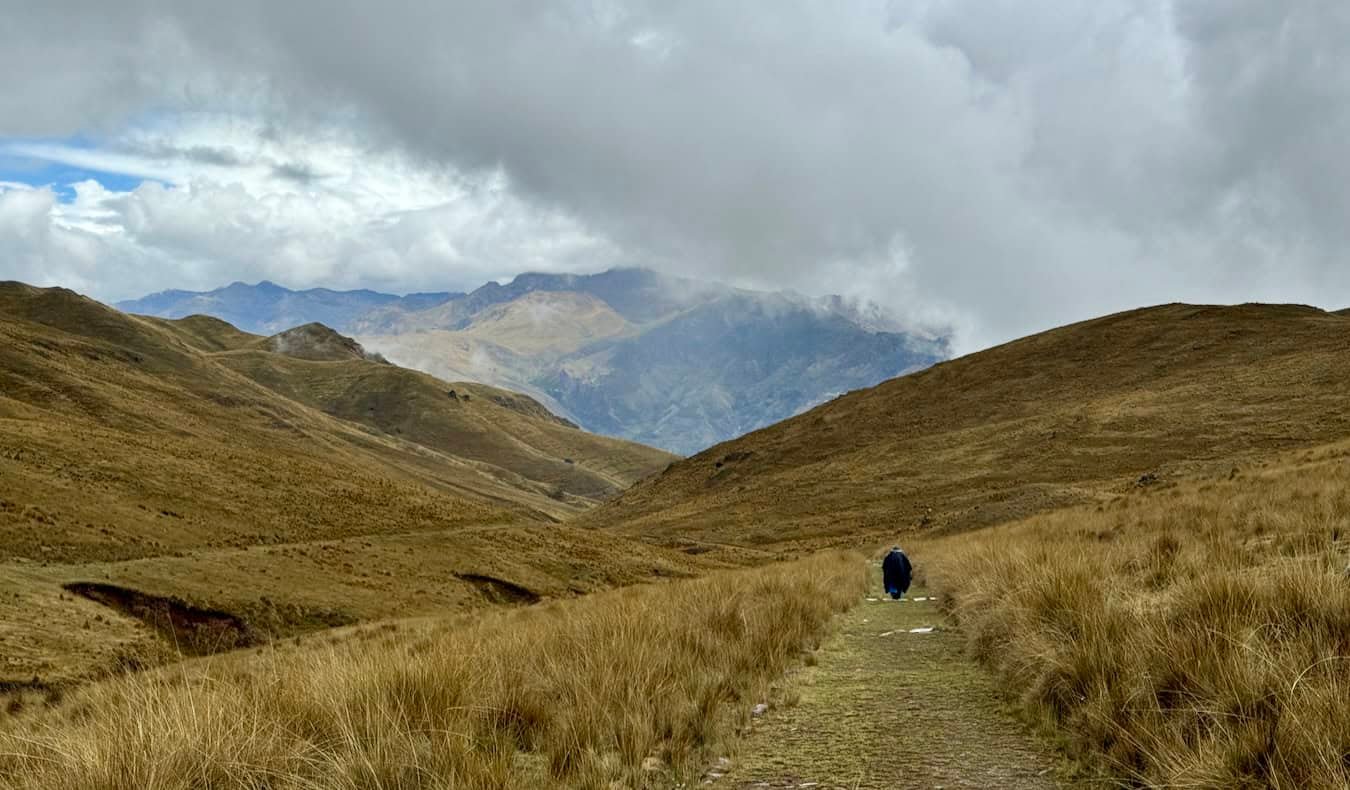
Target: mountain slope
{"points": [[664, 361], [639, 296], [723, 368], [509, 437], [1054, 419], [143, 477], [512, 437]]}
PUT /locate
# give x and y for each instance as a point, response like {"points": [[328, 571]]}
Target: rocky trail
{"points": [[890, 703]]}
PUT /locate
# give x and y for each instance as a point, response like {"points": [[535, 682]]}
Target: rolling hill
{"points": [[1069, 416], [184, 480], [665, 361], [541, 457]]}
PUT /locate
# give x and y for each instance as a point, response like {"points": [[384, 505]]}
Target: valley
{"points": [[674, 396], [1082, 502]]}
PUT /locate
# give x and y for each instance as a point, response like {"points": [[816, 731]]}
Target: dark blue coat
{"points": [[897, 573]]}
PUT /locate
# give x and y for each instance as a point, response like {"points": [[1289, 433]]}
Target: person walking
{"points": [[896, 573]]}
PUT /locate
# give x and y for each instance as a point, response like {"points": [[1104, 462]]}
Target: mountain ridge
{"points": [[267, 308]]}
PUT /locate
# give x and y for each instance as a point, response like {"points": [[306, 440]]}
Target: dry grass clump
{"points": [[1188, 636], [578, 693]]}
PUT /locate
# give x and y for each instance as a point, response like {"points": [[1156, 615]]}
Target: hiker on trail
{"points": [[896, 573]]}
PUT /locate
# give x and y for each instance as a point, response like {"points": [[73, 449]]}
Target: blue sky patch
{"points": [[21, 168]]}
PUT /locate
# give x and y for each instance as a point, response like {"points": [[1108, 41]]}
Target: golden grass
{"points": [[576, 694], [1188, 636]]}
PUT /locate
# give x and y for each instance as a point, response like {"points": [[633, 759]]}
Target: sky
{"points": [[996, 167]]}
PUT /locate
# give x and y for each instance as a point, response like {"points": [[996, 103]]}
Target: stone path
{"points": [[889, 706]]}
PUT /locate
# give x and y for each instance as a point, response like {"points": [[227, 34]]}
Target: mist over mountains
{"points": [[675, 363]]}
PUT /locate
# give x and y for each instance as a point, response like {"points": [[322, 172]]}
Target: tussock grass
{"points": [[578, 693], [1193, 636]]}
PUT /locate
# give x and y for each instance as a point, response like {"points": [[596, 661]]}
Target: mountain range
{"points": [[669, 362], [267, 308]]}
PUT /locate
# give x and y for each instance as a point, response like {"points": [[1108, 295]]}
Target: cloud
{"points": [[303, 210], [299, 173], [41, 251], [94, 159], [999, 165]]}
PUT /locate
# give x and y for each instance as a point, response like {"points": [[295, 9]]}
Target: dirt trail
{"points": [[886, 707]]}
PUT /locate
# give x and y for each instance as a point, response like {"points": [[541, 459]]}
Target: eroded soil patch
{"points": [[193, 630], [500, 591]]}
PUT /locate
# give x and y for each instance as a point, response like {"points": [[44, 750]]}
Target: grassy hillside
{"points": [[1065, 417], [510, 436], [198, 482], [1188, 635], [628, 688]]}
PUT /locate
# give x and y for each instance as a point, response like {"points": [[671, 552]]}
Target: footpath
{"points": [[890, 703]]}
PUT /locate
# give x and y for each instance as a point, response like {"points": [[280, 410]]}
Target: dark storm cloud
{"points": [[1007, 165], [294, 171], [209, 155]]}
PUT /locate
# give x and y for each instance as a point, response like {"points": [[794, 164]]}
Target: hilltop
{"points": [[666, 361], [318, 343], [178, 480], [1069, 416]]}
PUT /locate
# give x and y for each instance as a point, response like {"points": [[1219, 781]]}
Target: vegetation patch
{"points": [[632, 686], [1190, 636]]}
